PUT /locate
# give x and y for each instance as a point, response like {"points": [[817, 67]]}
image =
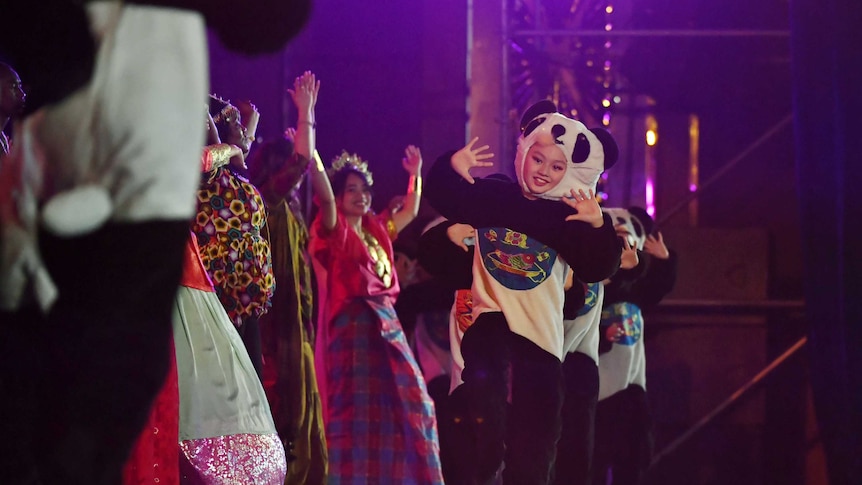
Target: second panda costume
{"points": [[623, 435]]}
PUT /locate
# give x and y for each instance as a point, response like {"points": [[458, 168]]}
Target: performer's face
{"points": [[356, 198], [544, 167], [12, 94]]}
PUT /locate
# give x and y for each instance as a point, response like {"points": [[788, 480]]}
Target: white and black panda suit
{"points": [[524, 251], [623, 425]]}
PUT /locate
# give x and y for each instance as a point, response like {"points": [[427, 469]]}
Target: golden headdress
{"points": [[354, 162], [220, 108]]}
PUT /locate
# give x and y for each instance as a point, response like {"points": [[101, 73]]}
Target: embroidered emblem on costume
{"points": [[591, 296], [629, 317], [515, 260]]}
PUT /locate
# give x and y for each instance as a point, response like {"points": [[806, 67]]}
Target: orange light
{"points": [[651, 137]]}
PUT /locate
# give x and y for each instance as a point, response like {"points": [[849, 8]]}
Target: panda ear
{"points": [[639, 229], [544, 106], [612, 151], [645, 219]]}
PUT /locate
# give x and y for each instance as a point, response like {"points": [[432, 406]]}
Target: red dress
{"points": [[380, 421], [155, 456]]}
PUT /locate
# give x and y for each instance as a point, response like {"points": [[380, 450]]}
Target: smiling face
{"points": [[544, 167], [587, 153], [355, 199]]}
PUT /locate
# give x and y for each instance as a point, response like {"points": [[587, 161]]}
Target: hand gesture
{"points": [[248, 112], [396, 204], [304, 92], [654, 246], [629, 257], [587, 206], [412, 161], [459, 232], [468, 157], [290, 134]]}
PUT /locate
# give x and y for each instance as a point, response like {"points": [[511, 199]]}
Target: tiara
{"points": [[226, 110], [352, 161]]}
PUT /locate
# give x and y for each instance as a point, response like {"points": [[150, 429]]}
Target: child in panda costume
{"points": [[526, 241], [623, 436]]}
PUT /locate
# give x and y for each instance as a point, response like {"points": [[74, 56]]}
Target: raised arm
{"points": [[323, 192], [453, 192], [304, 94], [443, 253], [251, 117], [412, 163]]}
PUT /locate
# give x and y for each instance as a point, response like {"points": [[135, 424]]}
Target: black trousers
{"points": [[523, 434], [575, 448], [250, 334], [624, 438], [87, 372]]}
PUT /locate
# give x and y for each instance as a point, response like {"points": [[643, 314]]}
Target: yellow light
{"points": [[609, 9], [606, 103], [651, 137]]}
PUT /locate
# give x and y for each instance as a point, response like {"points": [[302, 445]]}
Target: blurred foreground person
{"points": [[95, 205]]}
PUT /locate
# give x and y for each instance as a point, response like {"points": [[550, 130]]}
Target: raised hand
{"points": [[468, 157], [290, 134], [459, 233], [248, 112], [629, 256], [587, 206], [304, 92], [654, 246], [412, 161]]}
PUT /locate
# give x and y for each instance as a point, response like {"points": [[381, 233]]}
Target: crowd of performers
{"points": [[164, 324]]}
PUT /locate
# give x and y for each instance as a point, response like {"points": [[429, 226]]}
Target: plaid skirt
{"points": [[380, 422]]}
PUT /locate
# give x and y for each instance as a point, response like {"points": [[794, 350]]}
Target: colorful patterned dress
{"points": [[380, 422], [229, 228]]}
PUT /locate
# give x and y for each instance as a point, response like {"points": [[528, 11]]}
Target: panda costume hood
{"points": [[631, 220], [588, 152]]}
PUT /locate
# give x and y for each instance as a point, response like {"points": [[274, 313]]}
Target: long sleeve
{"points": [[445, 261]]}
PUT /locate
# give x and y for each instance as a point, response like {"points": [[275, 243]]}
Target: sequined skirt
{"points": [[246, 459]]}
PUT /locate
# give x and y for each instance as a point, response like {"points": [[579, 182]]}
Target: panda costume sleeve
{"points": [[629, 292], [646, 284], [444, 260]]}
